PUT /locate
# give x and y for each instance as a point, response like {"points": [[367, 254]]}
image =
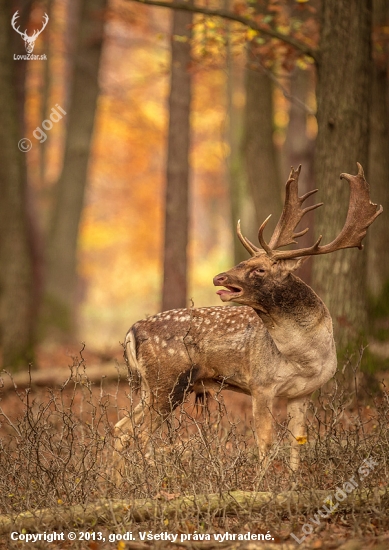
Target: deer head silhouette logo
{"points": [[29, 40]]}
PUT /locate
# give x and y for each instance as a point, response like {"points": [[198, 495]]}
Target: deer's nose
{"points": [[220, 279]]}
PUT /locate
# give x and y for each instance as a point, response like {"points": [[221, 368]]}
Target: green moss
{"points": [[56, 319], [379, 315], [372, 363], [19, 359], [379, 307], [365, 361]]}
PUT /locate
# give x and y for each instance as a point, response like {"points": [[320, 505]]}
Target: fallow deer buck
{"points": [[280, 344]]}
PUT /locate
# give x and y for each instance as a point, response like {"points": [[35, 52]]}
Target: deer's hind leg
{"points": [[135, 429], [143, 421], [263, 422]]}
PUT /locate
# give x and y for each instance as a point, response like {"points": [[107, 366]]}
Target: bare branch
{"points": [[226, 14], [285, 92]]}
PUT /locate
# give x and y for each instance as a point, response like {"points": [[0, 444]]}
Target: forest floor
{"points": [[57, 454]]}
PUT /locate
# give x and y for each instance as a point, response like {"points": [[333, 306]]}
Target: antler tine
{"points": [[261, 239], [13, 23], [45, 21], [249, 246], [292, 213], [291, 216], [361, 214]]}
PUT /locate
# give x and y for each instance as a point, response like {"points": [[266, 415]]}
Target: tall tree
{"points": [[240, 200], [261, 159], [298, 149], [343, 99], [16, 286], [174, 292], [378, 264], [58, 309]]}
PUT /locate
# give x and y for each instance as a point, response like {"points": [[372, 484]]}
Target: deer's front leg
{"points": [[263, 422], [297, 409]]}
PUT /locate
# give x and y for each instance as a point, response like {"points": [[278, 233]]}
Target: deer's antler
{"points": [[13, 23], [249, 246], [45, 21], [291, 216], [24, 34], [361, 214]]}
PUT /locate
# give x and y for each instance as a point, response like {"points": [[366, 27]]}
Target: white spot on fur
{"points": [[171, 351], [164, 344], [156, 338]]}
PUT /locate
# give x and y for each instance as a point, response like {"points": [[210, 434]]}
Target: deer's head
{"points": [[28, 40], [265, 280]]}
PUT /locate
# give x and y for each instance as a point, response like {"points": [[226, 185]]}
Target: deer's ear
{"points": [[288, 266], [293, 265]]}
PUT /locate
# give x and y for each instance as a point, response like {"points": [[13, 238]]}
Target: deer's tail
{"points": [[134, 370]]}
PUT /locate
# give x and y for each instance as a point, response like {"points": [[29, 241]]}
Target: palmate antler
{"points": [[361, 214]]}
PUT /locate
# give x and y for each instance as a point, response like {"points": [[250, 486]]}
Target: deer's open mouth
{"points": [[229, 292]]}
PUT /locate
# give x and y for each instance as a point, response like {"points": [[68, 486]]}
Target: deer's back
{"points": [[214, 343]]}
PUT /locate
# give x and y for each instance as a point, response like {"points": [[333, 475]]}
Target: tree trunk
{"points": [[343, 96], [58, 311], [217, 504], [378, 252], [262, 165], [299, 149], [241, 204], [46, 88], [174, 293], [15, 248]]}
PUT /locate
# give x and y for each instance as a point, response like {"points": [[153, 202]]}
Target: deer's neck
{"points": [[299, 323]]}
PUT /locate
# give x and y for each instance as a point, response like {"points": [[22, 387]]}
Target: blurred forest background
{"points": [[178, 123]]}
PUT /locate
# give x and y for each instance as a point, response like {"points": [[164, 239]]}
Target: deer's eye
{"points": [[260, 271]]}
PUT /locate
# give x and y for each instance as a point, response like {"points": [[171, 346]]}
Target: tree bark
{"points": [[299, 149], [174, 292], [15, 248], [261, 161], [343, 98], [59, 302], [378, 251], [231, 503], [241, 205]]}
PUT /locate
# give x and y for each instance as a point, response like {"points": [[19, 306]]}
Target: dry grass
{"points": [[57, 451]]}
